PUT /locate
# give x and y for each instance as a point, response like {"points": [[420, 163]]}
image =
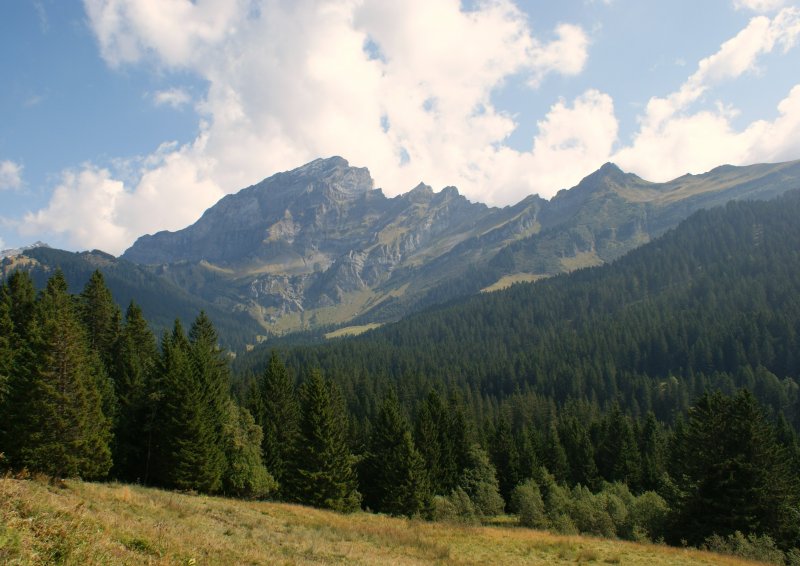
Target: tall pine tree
{"points": [[56, 409], [135, 361], [274, 406], [101, 318], [211, 372], [188, 449], [324, 475], [733, 475], [394, 479], [6, 347]]}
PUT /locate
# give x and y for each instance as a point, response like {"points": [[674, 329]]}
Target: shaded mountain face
{"points": [[320, 246], [161, 301], [303, 244]]}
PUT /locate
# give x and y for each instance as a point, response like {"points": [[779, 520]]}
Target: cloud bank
{"points": [[402, 88]]}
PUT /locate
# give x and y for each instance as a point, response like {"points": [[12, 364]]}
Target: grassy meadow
{"points": [[79, 523]]}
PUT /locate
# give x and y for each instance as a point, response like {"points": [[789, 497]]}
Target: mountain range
{"points": [[319, 247]]}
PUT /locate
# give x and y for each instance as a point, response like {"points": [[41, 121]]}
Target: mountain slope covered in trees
{"points": [[160, 300], [713, 301]]}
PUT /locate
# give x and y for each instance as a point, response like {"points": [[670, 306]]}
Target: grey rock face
{"points": [[322, 236]]}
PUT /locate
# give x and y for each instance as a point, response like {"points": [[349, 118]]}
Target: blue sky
{"points": [[125, 117]]}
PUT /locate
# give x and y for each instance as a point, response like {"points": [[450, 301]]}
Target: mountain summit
{"points": [[320, 246], [259, 222]]}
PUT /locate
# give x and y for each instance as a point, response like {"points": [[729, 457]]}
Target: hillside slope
{"points": [[91, 524], [717, 296], [161, 301]]}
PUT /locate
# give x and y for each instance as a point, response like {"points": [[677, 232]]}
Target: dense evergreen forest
{"points": [[712, 304], [654, 398]]}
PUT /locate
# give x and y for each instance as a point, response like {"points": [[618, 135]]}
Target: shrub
{"points": [[649, 514], [751, 547], [527, 499], [479, 482], [588, 512], [454, 508]]}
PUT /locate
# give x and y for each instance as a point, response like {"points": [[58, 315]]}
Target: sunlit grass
{"points": [[92, 524]]}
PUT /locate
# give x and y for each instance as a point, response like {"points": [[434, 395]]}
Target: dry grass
{"points": [[79, 523], [508, 280], [352, 330]]}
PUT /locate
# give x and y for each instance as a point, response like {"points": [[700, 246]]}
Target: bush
{"points": [[613, 512], [751, 547], [454, 508], [527, 499], [649, 514], [479, 482], [245, 476], [588, 512]]}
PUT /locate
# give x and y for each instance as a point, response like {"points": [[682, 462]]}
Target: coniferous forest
{"points": [[655, 398]]}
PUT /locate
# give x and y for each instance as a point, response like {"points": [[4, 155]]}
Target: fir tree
{"points": [[6, 349], [101, 318], [732, 474], [56, 412], [324, 474], [211, 373], [135, 363], [189, 451], [274, 406], [479, 481], [394, 477], [505, 457]]}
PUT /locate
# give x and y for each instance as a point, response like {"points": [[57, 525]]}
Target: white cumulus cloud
{"points": [[10, 175], [403, 88], [674, 139], [174, 97]]}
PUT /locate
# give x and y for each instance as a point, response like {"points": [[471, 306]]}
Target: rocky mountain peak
{"points": [[335, 175]]}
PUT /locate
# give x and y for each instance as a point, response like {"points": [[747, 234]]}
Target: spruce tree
{"points": [[617, 455], [324, 475], [653, 448], [505, 457], [553, 455], [211, 372], [6, 348], [580, 453], [56, 414], [394, 479], [430, 434], [16, 316], [101, 318], [732, 474], [188, 447], [275, 408], [135, 361], [21, 297]]}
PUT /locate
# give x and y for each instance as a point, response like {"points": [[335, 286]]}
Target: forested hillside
{"points": [[160, 300], [713, 303]]}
